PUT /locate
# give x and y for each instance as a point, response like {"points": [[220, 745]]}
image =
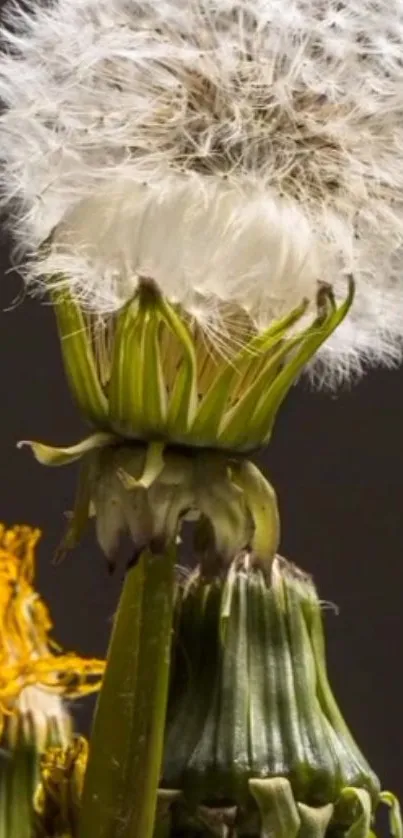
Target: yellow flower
{"points": [[34, 672], [57, 797], [35, 676]]}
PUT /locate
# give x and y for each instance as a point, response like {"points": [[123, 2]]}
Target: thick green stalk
{"points": [[23, 777], [18, 778], [123, 773]]}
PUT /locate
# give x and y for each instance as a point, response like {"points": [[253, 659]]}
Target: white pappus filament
{"points": [[234, 150]]}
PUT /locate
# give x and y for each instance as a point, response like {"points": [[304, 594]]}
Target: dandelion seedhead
{"points": [[240, 150]]}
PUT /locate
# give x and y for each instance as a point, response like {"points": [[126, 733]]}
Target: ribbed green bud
{"points": [[255, 743]]}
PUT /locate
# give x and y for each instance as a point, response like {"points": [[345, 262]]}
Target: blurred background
{"points": [[337, 466]]}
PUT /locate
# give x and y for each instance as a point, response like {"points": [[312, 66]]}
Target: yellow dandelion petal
{"points": [[58, 794], [29, 657]]}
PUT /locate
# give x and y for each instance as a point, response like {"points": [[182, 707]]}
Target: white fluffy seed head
{"points": [[233, 150]]}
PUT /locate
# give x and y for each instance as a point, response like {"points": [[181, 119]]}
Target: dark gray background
{"points": [[337, 465]]}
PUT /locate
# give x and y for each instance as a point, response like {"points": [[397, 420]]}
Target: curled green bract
{"points": [[278, 814], [149, 490], [149, 372]]}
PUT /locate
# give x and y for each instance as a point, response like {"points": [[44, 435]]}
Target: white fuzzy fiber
{"points": [[233, 150], [43, 715]]}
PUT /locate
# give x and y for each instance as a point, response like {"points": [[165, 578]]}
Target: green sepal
{"points": [[183, 399], [237, 430], [223, 504], [110, 518], [226, 602], [137, 392], [359, 809], [278, 811], [261, 500], [79, 517], [314, 820], [250, 422], [395, 815], [233, 707], [138, 398], [327, 321], [154, 393], [49, 455], [79, 359], [211, 410], [123, 370], [351, 759], [153, 465]]}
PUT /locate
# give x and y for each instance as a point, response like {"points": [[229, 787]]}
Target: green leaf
{"points": [[121, 783], [48, 455], [78, 358]]}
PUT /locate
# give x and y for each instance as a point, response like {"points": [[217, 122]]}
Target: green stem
{"points": [[120, 789], [18, 779]]}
